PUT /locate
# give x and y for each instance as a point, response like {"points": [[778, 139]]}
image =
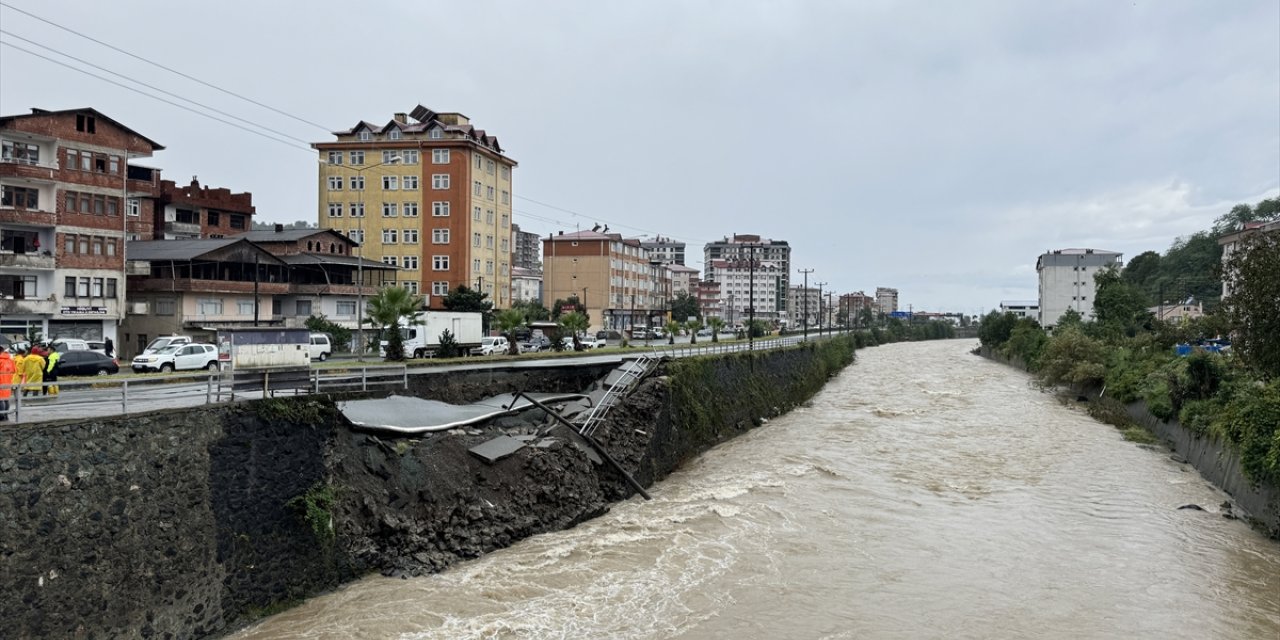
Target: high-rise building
{"points": [[427, 193], [663, 249], [526, 252], [750, 290], [610, 275], [68, 201], [740, 247], [1066, 281], [886, 300]]}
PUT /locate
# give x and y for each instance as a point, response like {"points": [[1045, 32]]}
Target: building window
{"points": [[302, 307], [97, 246], [439, 236], [410, 236], [506, 197], [364, 135], [390, 261], [409, 209], [476, 188], [439, 156], [439, 181], [237, 221], [436, 133], [475, 239], [488, 242], [475, 214], [356, 235], [133, 208], [440, 288], [335, 157], [488, 216], [411, 286], [85, 123], [488, 166], [335, 209], [389, 236], [488, 267], [164, 306], [96, 291], [506, 173], [440, 209], [209, 307], [22, 153], [244, 307], [479, 161], [82, 288], [86, 161], [390, 183], [335, 183], [410, 262], [215, 218], [504, 245], [346, 308], [389, 210], [357, 157], [357, 183], [394, 134], [440, 263], [488, 193], [506, 220], [410, 183], [475, 265], [69, 287], [356, 209], [409, 157], [111, 246], [20, 197]]}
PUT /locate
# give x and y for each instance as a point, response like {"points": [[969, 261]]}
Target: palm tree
{"points": [[508, 321], [575, 323], [716, 324], [672, 328], [386, 308], [693, 326]]}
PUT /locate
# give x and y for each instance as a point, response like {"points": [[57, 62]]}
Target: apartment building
{"points": [[853, 304], [1066, 281], [747, 289], [1021, 308], [526, 254], [708, 294], [886, 300], [1233, 242], [683, 279], [68, 200], [427, 193], [802, 306], [526, 285], [612, 276], [740, 247], [664, 249]]}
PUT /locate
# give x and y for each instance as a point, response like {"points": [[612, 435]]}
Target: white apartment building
{"points": [[886, 300], [1021, 308], [1066, 281], [738, 294]]}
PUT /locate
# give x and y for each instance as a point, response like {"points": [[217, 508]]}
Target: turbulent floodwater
{"points": [[925, 493]]}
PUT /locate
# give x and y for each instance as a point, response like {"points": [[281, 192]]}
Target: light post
{"points": [[751, 299], [360, 258], [805, 293], [820, 286]]}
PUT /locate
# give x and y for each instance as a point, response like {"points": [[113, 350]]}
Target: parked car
{"points": [[97, 346], [180, 357], [65, 345], [85, 363], [320, 348], [704, 333], [166, 341], [490, 346], [534, 344]]}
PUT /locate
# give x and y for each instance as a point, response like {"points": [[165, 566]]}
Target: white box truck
{"points": [[422, 339]]}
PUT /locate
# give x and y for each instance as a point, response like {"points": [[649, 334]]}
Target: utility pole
{"points": [[805, 292], [751, 310], [820, 286], [256, 278]]}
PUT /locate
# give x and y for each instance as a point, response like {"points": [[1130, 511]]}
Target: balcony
{"points": [[27, 260], [182, 228], [207, 286], [36, 172], [33, 217], [331, 289], [28, 306]]}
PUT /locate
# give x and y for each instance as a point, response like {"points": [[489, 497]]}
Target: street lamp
{"points": [[360, 257]]}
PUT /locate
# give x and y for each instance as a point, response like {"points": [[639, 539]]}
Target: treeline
{"points": [[1228, 386]]}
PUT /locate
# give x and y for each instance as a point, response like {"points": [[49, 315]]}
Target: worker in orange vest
{"points": [[7, 370]]}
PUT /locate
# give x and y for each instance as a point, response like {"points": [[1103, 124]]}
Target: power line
{"points": [[157, 64], [139, 91], [155, 88]]}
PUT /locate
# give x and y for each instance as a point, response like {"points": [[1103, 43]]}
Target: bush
{"points": [[1199, 415], [1072, 358], [1251, 421], [448, 345]]}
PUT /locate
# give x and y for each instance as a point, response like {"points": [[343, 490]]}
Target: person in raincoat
{"points": [[18, 357], [51, 374], [32, 374], [6, 379]]}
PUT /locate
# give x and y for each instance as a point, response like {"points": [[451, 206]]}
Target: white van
{"points": [[320, 348], [166, 341], [63, 345]]}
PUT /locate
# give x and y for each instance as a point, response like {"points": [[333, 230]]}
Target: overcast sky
{"points": [[936, 147]]}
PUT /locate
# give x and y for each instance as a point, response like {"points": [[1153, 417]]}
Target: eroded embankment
{"points": [[1216, 460], [188, 523]]}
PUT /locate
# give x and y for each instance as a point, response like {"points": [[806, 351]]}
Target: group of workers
{"points": [[33, 371]]}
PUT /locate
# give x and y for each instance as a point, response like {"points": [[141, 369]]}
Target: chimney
{"points": [[402, 118], [279, 228]]}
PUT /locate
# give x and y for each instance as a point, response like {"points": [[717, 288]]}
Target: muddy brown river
{"points": [[924, 493]]}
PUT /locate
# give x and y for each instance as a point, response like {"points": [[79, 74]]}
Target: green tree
{"points": [[1252, 274], [672, 328], [575, 324], [1119, 307], [508, 321], [385, 310], [716, 324], [685, 307], [995, 328], [449, 347], [1235, 219], [571, 302], [1143, 272], [533, 310], [464, 298], [340, 335], [692, 326], [1070, 357]]}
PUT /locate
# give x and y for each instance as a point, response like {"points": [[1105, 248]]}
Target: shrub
{"points": [[1198, 415], [1072, 358], [448, 345], [1251, 420]]}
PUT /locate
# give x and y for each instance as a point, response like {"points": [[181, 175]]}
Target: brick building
{"points": [[68, 201], [195, 211]]}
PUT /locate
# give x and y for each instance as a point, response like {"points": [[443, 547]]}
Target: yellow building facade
{"points": [[427, 193]]}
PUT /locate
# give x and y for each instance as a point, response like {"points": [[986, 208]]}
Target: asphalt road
{"points": [[121, 394]]}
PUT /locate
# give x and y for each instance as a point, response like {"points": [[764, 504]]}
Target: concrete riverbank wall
{"points": [[1215, 459], [187, 524]]}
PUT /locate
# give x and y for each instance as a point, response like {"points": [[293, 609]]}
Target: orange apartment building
{"points": [[428, 194], [612, 276]]}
